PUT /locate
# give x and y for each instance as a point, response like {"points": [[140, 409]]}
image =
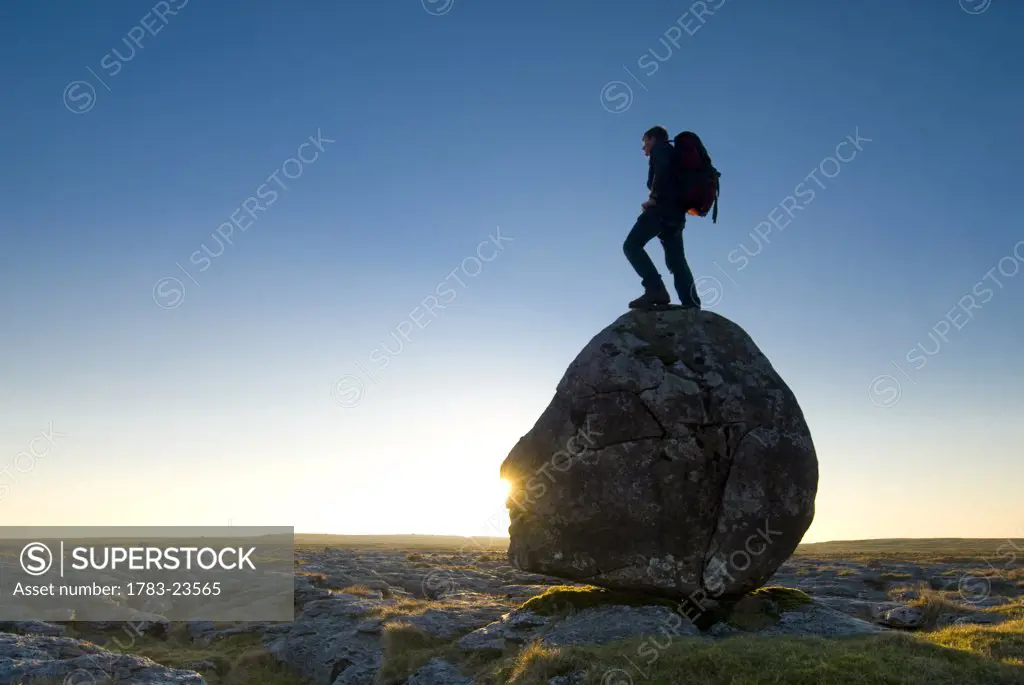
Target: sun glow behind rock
{"points": [[473, 508], [479, 509]]}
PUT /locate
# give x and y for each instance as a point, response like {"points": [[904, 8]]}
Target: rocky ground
{"points": [[373, 616]]}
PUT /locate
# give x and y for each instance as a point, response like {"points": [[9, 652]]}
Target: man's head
{"points": [[652, 136]]}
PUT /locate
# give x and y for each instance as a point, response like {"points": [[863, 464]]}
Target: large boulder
{"points": [[673, 459]]}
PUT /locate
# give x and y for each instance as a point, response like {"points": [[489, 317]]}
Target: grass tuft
{"points": [[406, 649], [538, 663], [360, 591], [403, 606], [933, 604]]}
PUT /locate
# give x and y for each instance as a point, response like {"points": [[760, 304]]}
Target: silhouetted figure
{"points": [[680, 180]]}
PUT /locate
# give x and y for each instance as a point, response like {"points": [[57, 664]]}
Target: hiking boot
{"points": [[651, 299]]}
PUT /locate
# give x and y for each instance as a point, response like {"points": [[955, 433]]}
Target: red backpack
{"points": [[698, 178]]}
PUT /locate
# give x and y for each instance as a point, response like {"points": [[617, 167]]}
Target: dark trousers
{"points": [[669, 229]]}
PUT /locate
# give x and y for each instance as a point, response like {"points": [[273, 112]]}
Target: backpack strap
{"points": [[714, 212], [718, 189]]}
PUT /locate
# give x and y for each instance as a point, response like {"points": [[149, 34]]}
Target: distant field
{"points": [[1000, 552], [445, 543]]}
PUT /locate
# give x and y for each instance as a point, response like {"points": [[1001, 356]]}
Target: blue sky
{"points": [[215, 397]]}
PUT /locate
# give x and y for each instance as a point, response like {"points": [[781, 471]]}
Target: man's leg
{"points": [[675, 260], [647, 226]]}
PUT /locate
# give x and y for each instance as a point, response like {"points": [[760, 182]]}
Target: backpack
{"points": [[697, 177]]}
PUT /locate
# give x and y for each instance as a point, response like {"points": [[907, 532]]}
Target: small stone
{"points": [[202, 666], [903, 617], [722, 630], [438, 672], [516, 627], [571, 679], [373, 626]]}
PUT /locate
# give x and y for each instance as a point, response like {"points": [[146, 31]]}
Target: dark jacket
{"points": [[663, 178]]}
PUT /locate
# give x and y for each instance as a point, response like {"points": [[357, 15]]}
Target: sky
{"points": [[359, 159]]}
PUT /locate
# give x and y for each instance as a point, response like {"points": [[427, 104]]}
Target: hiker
{"points": [[664, 216]]}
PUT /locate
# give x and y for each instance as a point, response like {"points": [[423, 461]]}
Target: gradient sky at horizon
{"points": [[450, 120]]}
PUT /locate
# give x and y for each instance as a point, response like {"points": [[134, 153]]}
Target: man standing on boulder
{"points": [[662, 217]]}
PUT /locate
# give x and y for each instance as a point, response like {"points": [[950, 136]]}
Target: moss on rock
{"points": [[564, 599]]}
